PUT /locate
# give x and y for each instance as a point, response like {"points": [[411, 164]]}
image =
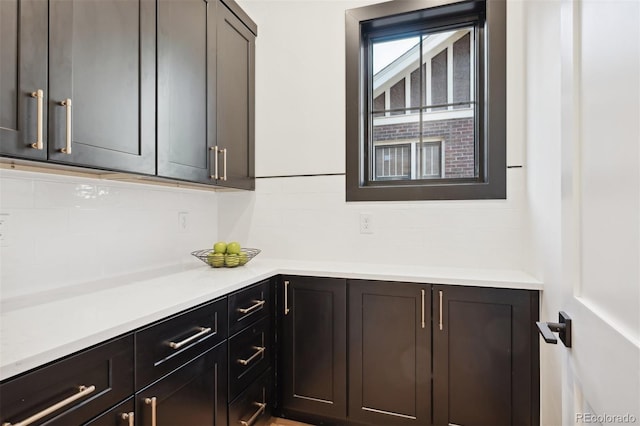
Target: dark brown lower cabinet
{"points": [[389, 353], [485, 356], [193, 395], [313, 369]]}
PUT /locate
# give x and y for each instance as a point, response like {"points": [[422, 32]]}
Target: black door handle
{"points": [[563, 328]]}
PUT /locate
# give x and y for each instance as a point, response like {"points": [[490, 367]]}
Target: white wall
{"points": [[66, 230], [300, 129]]}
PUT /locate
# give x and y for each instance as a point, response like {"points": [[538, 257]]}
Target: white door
{"points": [[600, 210]]}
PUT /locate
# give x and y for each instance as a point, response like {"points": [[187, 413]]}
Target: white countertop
{"points": [[38, 329]]}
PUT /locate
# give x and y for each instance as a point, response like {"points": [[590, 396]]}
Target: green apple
{"points": [[216, 259], [243, 258], [220, 247], [233, 248], [231, 260]]}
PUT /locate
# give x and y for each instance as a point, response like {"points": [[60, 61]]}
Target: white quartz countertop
{"points": [[43, 327]]}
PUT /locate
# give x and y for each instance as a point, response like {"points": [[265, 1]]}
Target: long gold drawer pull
{"points": [[261, 407], [82, 392], [39, 95], [202, 331], [154, 409], [256, 305], [259, 351], [129, 417], [67, 103]]}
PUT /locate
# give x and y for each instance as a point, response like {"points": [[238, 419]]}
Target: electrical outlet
{"points": [[4, 229], [183, 222], [366, 223]]}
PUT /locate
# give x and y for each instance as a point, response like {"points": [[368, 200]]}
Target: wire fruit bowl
{"points": [[220, 260]]}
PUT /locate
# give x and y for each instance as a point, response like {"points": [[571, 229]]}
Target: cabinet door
{"points": [[389, 353], [23, 71], [193, 395], [186, 88], [313, 368], [102, 59], [235, 97], [485, 367]]}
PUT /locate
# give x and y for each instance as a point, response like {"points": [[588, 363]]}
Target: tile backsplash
{"points": [[307, 218], [63, 230]]}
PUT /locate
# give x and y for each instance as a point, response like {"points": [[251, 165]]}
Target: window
{"points": [[426, 101]]}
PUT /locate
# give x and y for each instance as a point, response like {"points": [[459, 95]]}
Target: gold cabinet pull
{"points": [[440, 297], [256, 305], [261, 407], [129, 417], [202, 331], [224, 164], [422, 292], [215, 162], [82, 392], [67, 104], [259, 351], [39, 95], [286, 297], [154, 409]]}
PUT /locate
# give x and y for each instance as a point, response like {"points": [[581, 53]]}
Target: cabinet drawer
{"points": [[121, 415], [253, 406], [164, 346], [249, 305], [249, 355], [73, 390]]}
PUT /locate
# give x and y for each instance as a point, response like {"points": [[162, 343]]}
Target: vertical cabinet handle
{"points": [[67, 104], [215, 162], [39, 95], [440, 320], [224, 164], [423, 322], [286, 297], [153, 403], [129, 417]]}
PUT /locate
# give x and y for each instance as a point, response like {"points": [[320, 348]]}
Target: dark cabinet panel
{"points": [[485, 363], [314, 350], [235, 100], [186, 88], [81, 386], [120, 415], [23, 72], [102, 60], [249, 355], [389, 353], [193, 395]]}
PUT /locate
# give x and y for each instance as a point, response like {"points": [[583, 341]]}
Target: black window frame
{"points": [[402, 17]]}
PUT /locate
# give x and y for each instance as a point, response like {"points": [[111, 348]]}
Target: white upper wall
{"points": [[300, 84]]}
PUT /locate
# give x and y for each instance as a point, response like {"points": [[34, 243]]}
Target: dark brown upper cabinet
{"points": [[186, 89], [152, 87], [102, 84], [23, 78], [235, 95]]}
